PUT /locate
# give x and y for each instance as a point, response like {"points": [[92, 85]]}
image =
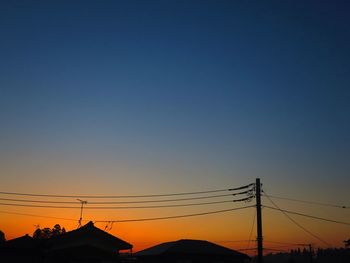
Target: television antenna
{"points": [[82, 202]]}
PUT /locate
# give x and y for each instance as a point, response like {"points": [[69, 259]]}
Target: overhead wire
{"points": [[42, 206], [126, 207], [243, 249], [36, 203], [242, 187], [131, 220], [266, 249], [36, 215], [307, 202], [276, 250], [231, 241], [296, 223], [285, 212], [283, 243], [251, 230], [173, 217], [125, 202], [309, 216], [124, 196]]}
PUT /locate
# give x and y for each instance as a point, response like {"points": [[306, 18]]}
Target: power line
{"points": [[125, 202], [37, 201], [131, 220], [231, 241], [177, 205], [127, 207], [243, 249], [241, 187], [251, 230], [42, 206], [283, 243], [296, 223], [166, 200], [173, 217], [125, 196], [307, 202], [281, 246], [170, 200], [310, 216], [35, 215], [276, 250], [269, 249]]}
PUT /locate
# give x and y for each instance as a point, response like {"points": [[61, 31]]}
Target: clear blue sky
{"points": [[214, 92]]}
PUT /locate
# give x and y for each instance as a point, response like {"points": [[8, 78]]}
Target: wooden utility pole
{"points": [[259, 220]]}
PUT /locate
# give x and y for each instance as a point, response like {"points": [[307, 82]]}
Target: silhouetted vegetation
{"points": [[329, 255], [47, 232], [347, 243]]}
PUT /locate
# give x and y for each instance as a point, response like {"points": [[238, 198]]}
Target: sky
{"points": [[150, 97]]}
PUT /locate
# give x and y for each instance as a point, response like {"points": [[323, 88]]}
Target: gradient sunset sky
{"points": [[149, 97]]}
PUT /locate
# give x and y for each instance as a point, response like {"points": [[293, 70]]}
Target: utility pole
{"points": [[81, 211], [259, 220]]}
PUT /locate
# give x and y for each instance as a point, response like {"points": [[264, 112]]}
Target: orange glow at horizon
{"points": [[227, 229]]}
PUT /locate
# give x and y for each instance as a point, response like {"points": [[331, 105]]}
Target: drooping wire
{"points": [[127, 202], [246, 199], [129, 220], [125, 196], [231, 241], [282, 243], [173, 217], [36, 215], [128, 207], [309, 216], [269, 249], [241, 187], [251, 230], [254, 249], [296, 223], [307, 202], [275, 250]]}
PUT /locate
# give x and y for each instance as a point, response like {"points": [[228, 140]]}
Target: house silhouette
{"points": [[85, 244], [190, 251]]}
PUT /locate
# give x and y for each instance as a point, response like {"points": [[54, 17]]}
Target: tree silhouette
{"points": [[347, 243], [47, 232], [57, 230]]}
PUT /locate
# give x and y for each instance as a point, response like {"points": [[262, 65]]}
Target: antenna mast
{"points": [[83, 202]]}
